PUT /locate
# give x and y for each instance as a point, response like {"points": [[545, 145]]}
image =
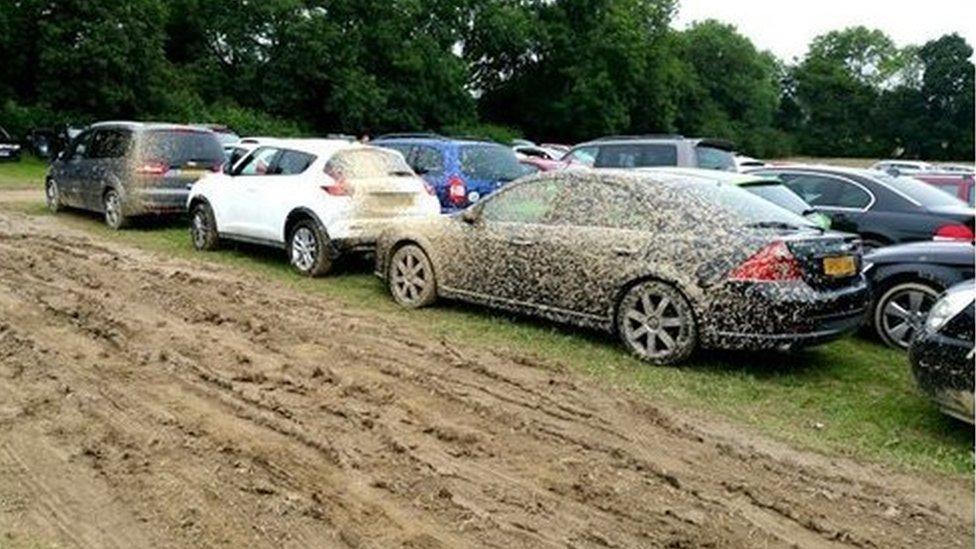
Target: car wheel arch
{"points": [[411, 241], [651, 277], [299, 214]]}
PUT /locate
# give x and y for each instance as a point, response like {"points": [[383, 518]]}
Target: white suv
{"points": [[315, 198]]}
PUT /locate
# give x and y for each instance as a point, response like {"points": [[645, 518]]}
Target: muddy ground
{"points": [[152, 402]]}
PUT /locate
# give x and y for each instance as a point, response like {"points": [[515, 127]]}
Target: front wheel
{"points": [[411, 278], [901, 312], [114, 216], [203, 227], [52, 196], [657, 324], [309, 249]]}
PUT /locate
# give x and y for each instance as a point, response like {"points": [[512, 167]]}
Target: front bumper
{"points": [[944, 371], [9, 155], [785, 317]]}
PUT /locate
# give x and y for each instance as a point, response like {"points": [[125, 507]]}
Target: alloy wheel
{"points": [[52, 196], [903, 312], [411, 277], [656, 323], [201, 229], [304, 249], [113, 209]]}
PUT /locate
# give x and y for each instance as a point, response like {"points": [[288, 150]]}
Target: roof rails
{"points": [[638, 137], [408, 135], [473, 138]]}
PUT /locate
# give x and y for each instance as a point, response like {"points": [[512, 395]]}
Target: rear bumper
{"points": [[943, 370], [783, 317], [156, 201]]}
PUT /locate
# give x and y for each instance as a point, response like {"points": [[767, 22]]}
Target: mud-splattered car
{"points": [[669, 263], [130, 169], [316, 198], [942, 353]]}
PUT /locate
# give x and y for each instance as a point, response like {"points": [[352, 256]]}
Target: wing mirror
{"points": [[420, 170]]}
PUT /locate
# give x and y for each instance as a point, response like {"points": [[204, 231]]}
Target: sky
{"points": [[786, 27]]}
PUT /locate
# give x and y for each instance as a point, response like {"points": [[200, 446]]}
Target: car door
{"points": [[241, 208], [277, 193], [497, 250], [105, 165], [70, 169], [845, 201], [595, 238]]}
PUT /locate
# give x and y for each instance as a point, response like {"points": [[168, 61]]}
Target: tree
{"points": [[947, 92]]}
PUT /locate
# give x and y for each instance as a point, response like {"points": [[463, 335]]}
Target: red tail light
{"points": [[457, 193], [773, 263], [152, 168], [953, 231], [339, 187]]}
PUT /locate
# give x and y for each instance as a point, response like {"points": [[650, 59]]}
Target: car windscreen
{"points": [[179, 147], [636, 155], [367, 163], [781, 195], [714, 158], [920, 192], [490, 162], [745, 208]]}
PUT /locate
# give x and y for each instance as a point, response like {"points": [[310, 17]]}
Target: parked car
{"points": [[9, 147], [904, 167], [768, 188], [882, 208], [942, 353], [315, 198], [744, 163], [958, 168], [669, 263], [535, 151], [43, 143], [130, 169], [558, 147], [534, 165], [645, 151], [906, 281], [461, 171], [224, 134], [958, 184]]}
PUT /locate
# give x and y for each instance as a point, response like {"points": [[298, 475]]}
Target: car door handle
{"points": [[624, 251], [521, 242]]}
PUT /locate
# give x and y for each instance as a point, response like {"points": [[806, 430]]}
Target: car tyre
{"points": [[115, 217], [52, 196], [309, 250], [656, 323], [203, 228], [411, 278], [901, 311]]}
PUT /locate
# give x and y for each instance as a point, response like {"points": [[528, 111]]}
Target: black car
{"points": [[9, 147], [669, 263], [127, 169], [906, 281], [942, 353], [882, 208]]}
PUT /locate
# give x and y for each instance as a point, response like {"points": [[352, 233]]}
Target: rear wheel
{"points": [[309, 249], [203, 227], [657, 324], [411, 278], [52, 196], [901, 311], [114, 217]]}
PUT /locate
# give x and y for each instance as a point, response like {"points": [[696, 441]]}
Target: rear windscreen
{"points": [[780, 195], [367, 163], [714, 158], [178, 147], [636, 156], [923, 193], [490, 162]]}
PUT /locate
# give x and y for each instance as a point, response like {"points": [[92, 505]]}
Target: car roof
{"points": [[638, 179], [714, 176], [432, 139], [317, 147], [656, 138], [824, 168], [142, 126]]}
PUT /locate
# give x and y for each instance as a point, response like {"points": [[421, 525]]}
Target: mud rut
{"points": [[147, 401]]}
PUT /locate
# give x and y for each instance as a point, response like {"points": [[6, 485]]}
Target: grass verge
{"points": [[26, 174]]}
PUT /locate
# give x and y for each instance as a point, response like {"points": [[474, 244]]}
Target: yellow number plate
{"points": [[839, 266]]}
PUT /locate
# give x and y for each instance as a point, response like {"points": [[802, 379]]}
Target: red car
{"points": [[959, 185]]}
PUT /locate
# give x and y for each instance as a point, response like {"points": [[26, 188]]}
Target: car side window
{"points": [[427, 159], [814, 190], [600, 205], [259, 163], [293, 163], [851, 196], [79, 147], [109, 144], [584, 155], [527, 203]]}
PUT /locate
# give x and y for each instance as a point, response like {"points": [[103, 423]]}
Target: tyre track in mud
{"points": [[217, 408]]}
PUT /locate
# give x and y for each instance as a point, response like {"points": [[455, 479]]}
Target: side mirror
{"points": [[471, 216], [420, 171]]}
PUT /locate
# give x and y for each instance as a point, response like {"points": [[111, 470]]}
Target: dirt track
{"points": [[146, 401]]}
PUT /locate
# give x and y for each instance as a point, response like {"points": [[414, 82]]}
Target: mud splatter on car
{"points": [[667, 262]]}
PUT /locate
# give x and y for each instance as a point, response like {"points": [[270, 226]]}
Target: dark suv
{"points": [[647, 151], [128, 169]]}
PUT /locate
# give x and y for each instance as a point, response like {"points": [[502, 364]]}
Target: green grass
{"points": [[26, 174], [852, 397]]}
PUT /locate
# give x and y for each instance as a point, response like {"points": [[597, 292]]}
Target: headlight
{"points": [[947, 308]]}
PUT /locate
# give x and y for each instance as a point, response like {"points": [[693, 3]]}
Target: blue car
{"points": [[461, 171]]}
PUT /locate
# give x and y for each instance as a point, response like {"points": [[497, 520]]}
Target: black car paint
{"points": [[890, 218], [10, 149], [939, 264]]}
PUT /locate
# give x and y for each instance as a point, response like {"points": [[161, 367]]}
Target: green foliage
{"points": [[560, 70]]}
